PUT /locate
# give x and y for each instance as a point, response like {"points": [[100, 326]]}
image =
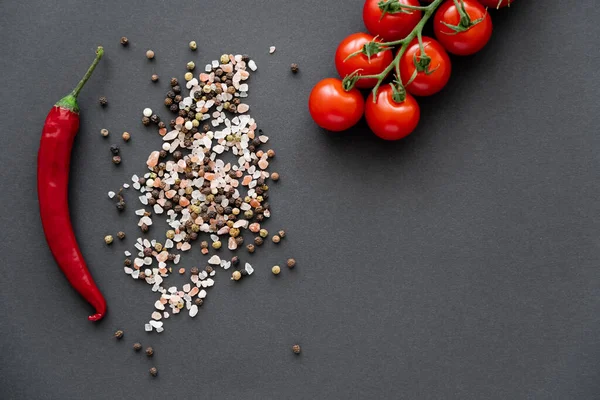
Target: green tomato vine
{"points": [[422, 62]]}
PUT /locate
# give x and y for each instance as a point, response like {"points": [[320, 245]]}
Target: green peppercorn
{"points": [[158, 247], [236, 275], [235, 211], [224, 59], [108, 239], [188, 76], [248, 214], [190, 66], [234, 232], [170, 234], [216, 245], [263, 233], [276, 270], [193, 45]]}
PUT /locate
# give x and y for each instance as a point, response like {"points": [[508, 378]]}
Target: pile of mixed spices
{"points": [[196, 189]]}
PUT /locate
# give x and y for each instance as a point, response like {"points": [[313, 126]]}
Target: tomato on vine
{"points": [[424, 76], [390, 117], [388, 21], [496, 3], [369, 58], [462, 30], [334, 108]]}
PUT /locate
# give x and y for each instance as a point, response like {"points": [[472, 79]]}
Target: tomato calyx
{"points": [[465, 20], [350, 80], [394, 7], [370, 49], [398, 91]]}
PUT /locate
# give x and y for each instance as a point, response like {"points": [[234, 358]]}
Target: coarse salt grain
{"points": [[111, 194]]}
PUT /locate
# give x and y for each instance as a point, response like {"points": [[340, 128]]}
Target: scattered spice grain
{"points": [[149, 351], [296, 349], [294, 68], [126, 136], [104, 132], [137, 346], [276, 270], [150, 54], [108, 239], [154, 78], [291, 263], [119, 334], [103, 101], [124, 41], [153, 371], [116, 160], [236, 275], [193, 45], [276, 239], [121, 235]]}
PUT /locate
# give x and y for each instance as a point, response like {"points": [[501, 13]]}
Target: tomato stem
{"points": [[395, 64]]}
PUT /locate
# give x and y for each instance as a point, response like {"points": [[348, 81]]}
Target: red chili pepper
{"points": [[54, 156]]}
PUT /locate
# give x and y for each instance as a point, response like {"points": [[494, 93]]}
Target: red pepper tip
{"points": [[96, 317]]}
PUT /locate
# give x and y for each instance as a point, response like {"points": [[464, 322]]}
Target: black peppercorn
{"points": [[177, 155], [121, 235], [155, 118], [294, 68], [148, 251], [174, 82], [114, 149], [250, 248], [161, 125], [171, 257], [194, 270], [146, 121], [258, 241], [177, 208], [103, 101], [235, 260], [174, 108], [119, 334], [163, 154], [239, 240], [245, 58], [177, 89], [124, 41], [127, 262], [198, 301], [183, 113], [144, 228]]}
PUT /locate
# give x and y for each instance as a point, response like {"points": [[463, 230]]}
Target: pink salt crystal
{"points": [[254, 227], [199, 220], [197, 135], [184, 202], [244, 75], [183, 183], [263, 164], [242, 108], [232, 244], [209, 176], [181, 164], [157, 182], [152, 159], [186, 246], [161, 202], [194, 291], [178, 246], [176, 310], [232, 59], [251, 134], [254, 203], [204, 110], [204, 251], [194, 159], [179, 121], [162, 257], [224, 230], [235, 183], [247, 180], [227, 68], [253, 127], [163, 300], [162, 131], [170, 193], [204, 77], [163, 270]]}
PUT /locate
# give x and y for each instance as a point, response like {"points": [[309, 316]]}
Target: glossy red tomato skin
{"points": [[424, 84], [467, 42], [392, 26], [494, 3], [372, 66], [334, 109], [390, 120]]}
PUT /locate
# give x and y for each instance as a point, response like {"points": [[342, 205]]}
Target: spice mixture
{"points": [[209, 179]]}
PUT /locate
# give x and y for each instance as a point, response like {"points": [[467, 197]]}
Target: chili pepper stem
{"points": [[69, 102]]}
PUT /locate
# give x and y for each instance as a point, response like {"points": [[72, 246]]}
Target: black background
{"points": [[460, 263]]}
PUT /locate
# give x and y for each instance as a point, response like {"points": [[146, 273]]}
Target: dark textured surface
{"points": [[461, 263]]}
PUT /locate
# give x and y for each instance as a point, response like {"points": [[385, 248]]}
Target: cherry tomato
{"points": [[372, 66], [436, 76], [496, 3], [333, 108], [467, 42], [393, 26], [390, 120]]}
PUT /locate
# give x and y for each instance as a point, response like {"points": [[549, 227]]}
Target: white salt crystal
{"points": [[271, 49], [252, 65], [214, 260], [193, 311], [148, 328], [111, 194], [249, 269], [202, 294]]}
